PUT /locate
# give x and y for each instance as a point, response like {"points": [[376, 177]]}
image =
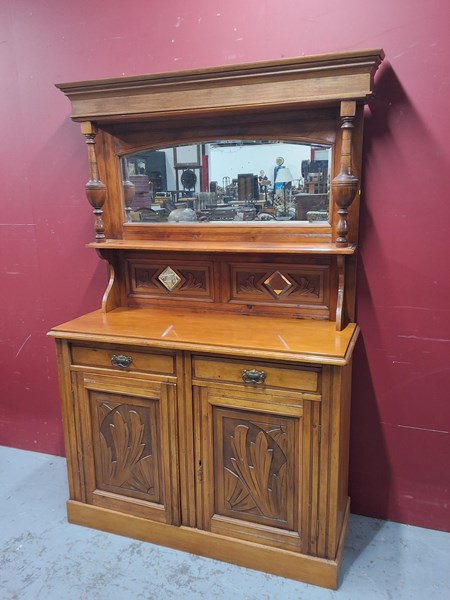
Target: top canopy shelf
{"points": [[287, 83]]}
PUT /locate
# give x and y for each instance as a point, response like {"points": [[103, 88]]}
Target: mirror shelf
{"points": [[217, 247], [314, 103]]}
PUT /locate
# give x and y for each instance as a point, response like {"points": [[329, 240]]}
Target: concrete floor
{"points": [[43, 557]]}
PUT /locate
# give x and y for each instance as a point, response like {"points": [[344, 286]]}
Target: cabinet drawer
{"points": [[122, 358], [257, 374]]}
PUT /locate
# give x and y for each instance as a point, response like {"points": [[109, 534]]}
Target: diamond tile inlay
{"points": [[169, 279], [277, 284]]}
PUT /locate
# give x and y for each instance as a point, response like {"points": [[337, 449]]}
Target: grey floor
{"points": [[43, 557]]}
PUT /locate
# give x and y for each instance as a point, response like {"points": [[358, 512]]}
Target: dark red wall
{"points": [[400, 447]]}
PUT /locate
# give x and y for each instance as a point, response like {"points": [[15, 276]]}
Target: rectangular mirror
{"points": [[265, 181]]}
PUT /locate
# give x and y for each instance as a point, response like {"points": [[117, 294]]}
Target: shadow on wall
{"points": [[397, 452], [370, 479], [414, 162]]}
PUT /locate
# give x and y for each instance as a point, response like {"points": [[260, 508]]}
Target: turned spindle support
{"points": [[128, 189], [345, 185], [95, 189]]}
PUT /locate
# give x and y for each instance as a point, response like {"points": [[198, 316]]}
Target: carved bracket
{"points": [[111, 297]]}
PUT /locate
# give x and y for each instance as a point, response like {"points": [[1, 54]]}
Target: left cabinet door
{"points": [[129, 445]]}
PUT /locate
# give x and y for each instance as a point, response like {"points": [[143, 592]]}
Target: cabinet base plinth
{"points": [[301, 567]]}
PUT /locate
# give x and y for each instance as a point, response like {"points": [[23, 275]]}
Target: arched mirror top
{"points": [[161, 149]]}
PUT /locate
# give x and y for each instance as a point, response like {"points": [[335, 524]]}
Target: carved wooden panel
{"points": [[126, 445], [245, 285], [253, 455], [169, 279], [279, 284], [128, 429], [255, 462]]}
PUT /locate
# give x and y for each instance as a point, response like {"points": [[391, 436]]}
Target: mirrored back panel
{"points": [[234, 180]]}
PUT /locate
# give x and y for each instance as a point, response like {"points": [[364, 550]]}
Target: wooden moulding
{"points": [[237, 247], [301, 567], [324, 79]]}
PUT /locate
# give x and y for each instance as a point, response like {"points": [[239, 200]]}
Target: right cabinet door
{"points": [[257, 451]]}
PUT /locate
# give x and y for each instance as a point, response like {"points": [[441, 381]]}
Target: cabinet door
{"points": [[256, 453], [129, 445]]}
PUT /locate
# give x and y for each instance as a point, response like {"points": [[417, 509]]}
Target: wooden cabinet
{"points": [[128, 446], [126, 423], [257, 435], [250, 450], [247, 450], [206, 405]]}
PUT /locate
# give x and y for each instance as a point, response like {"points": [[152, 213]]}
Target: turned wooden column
{"points": [[95, 189], [128, 189], [345, 185]]}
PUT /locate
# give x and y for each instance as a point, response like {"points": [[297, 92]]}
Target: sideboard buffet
{"points": [[206, 403]]}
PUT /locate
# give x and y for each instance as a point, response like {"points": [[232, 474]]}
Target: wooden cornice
{"points": [[287, 83]]}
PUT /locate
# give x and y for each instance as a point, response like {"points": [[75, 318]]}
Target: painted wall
{"points": [[400, 444]]}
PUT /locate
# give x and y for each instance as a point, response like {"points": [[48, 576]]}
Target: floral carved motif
{"points": [[194, 281], [144, 277], [279, 284], [253, 484], [305, 286], [249, 285], [125, 458], [173, 280]]}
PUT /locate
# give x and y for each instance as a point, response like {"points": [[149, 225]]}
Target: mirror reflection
{"points": [[228, 180]]}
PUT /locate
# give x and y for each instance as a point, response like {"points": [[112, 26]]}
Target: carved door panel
{"points": [[129, 445], [254, 466]]}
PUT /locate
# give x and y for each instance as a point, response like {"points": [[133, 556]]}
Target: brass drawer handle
{"points": [[120, 360], [253, 376]]}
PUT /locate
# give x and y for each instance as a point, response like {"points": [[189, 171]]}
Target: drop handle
{"points": [[253, 376], [120, 360]]}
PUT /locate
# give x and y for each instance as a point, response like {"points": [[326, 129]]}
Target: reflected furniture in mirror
{"points": [[236, 194], [206, 403]]}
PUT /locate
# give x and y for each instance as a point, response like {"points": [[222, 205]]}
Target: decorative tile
{"points": [[277, 284], [169, 278]]}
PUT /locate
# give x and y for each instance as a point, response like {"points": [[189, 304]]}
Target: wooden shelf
{"points": [[305, 340], [220, 247]]}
